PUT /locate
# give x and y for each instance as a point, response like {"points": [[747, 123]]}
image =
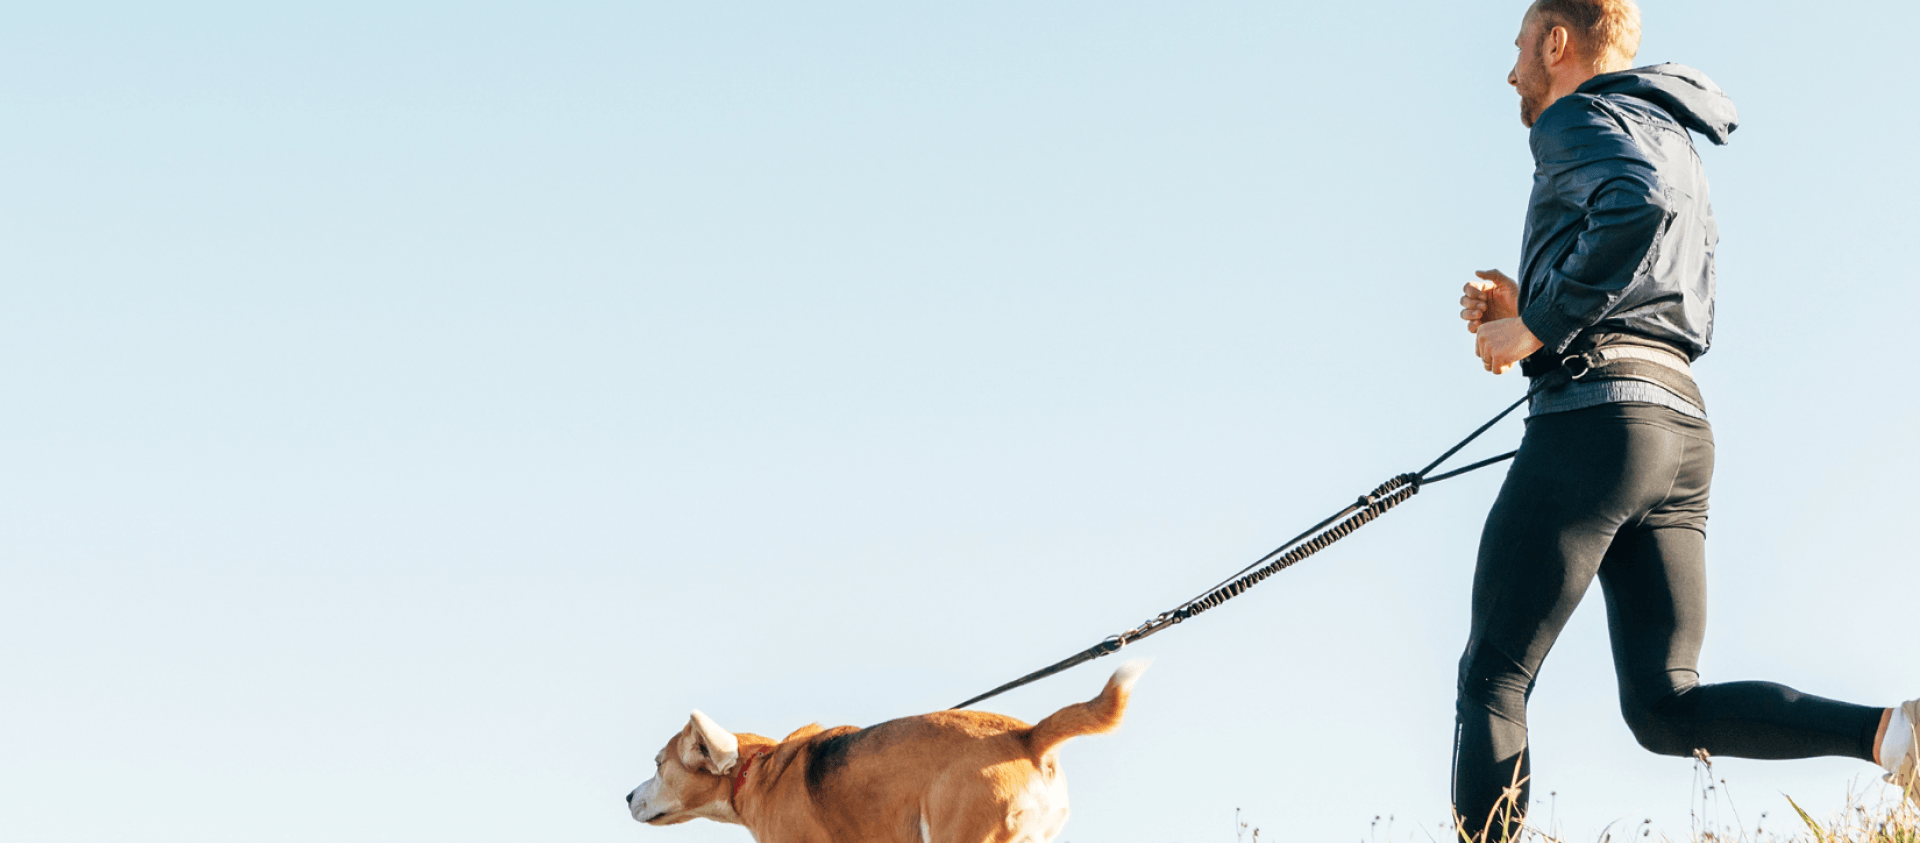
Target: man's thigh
{"points": [[1579, 479], [1655, 580]]}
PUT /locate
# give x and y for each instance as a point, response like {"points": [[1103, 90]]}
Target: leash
{"points": [[1334, 528]]}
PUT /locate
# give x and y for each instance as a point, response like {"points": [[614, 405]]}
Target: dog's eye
{"points": [[660, 760]]}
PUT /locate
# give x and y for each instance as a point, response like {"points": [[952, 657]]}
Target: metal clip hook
{"points": [[1586, 366]]}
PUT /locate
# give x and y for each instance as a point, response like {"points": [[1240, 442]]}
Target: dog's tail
{"points": [[1100, 714]]}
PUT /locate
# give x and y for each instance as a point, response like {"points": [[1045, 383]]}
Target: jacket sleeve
{"points": [[1596, 167]]}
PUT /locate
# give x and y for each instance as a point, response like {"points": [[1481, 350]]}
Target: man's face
{"points": [[1529, 75]]}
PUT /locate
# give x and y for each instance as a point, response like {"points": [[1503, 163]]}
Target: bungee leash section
{"points": [[1336, 527]]}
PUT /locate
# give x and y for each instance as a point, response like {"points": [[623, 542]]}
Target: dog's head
{"points": [[694, 777]]}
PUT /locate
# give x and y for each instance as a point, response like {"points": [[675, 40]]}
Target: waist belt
{"points": [[1658, 366]]}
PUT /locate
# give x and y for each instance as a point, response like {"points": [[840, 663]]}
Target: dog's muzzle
{"points": [[637, 805]]}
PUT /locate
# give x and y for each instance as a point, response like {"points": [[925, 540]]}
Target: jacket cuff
{"points": [[1554, 331]]}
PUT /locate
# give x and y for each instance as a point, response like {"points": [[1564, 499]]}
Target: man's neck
{"points": [[1562, 81], [1567, 84]]}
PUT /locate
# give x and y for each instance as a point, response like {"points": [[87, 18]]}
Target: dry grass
{"points": [[1873, 813]]}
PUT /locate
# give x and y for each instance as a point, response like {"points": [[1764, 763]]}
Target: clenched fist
{"points": [[1493, 297], [1503, 343], [1491, 307]]}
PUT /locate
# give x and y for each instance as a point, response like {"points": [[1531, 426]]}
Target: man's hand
{"points": [[1492, 298], [1501, 343]]}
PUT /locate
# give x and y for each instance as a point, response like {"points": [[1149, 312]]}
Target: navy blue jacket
{"points": [[1620, 232]]}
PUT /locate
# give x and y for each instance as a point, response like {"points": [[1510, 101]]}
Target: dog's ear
{"points": [[709, 747]]}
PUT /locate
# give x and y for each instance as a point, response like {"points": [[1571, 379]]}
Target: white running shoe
{"points": [[1907, 777]]}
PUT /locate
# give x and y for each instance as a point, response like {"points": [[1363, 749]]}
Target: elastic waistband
{"points": [[1629, 412]]}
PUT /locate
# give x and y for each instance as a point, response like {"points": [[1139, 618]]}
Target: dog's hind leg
{"points": [[1023, 806], [1038, 810]]}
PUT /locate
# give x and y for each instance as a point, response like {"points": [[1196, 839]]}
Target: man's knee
{"points": [[1658, 731], [1491, 682]]}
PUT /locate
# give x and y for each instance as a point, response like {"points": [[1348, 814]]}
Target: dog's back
{"points": [[953, 776]]}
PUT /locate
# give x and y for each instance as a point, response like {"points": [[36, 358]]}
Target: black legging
{"points": [[1619, 490]]}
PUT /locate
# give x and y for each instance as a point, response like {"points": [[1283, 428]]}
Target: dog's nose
{"points": [[630, 795]]}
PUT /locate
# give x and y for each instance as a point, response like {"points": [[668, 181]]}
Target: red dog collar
{"points": [[740, 776]]}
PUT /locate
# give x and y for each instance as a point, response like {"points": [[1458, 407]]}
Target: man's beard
{"points": [[1533, 94]]}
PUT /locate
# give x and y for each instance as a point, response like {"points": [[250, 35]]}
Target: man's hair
{"points": [[1608, 31]]}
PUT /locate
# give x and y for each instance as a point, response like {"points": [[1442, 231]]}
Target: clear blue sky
{"points": [[412, 410]]}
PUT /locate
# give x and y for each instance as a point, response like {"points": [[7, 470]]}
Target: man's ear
{"points": [[1557, 45], [709, 747]]}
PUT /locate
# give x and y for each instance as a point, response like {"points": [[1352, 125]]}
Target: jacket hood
{"points": [[1681, 91]]}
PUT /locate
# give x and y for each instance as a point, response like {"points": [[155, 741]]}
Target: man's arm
{"points": [[1600, 169]]}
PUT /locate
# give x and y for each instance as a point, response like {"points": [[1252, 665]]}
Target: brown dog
{"points": [[946, 777]]}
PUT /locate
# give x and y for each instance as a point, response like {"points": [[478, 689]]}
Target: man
{"points": [[1616, 293]]}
